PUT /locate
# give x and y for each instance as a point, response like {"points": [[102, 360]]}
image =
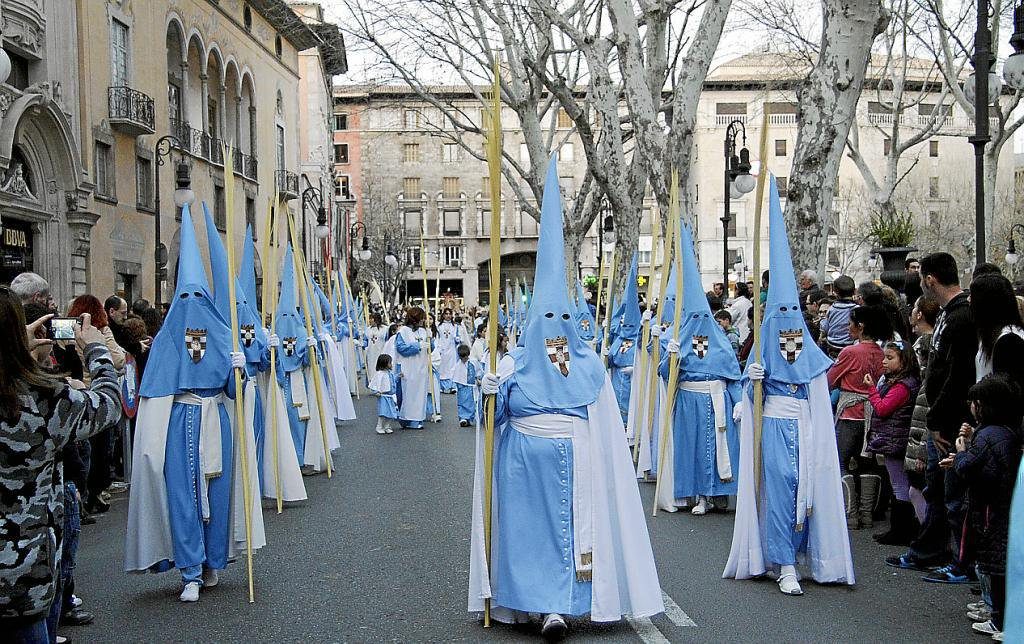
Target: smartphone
{"points": [[63, 328]]}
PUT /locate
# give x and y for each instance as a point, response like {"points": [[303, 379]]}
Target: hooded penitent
{"points": [[290, 326], [704, 348], [554, 367], [251, 339], [789, 352], [624, 336], [584, 320], [194, 341]]}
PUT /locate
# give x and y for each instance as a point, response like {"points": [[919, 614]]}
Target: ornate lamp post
{"points": [[738, 182], [183, 196], [314, 197], [1011, 248], [364, 254]]}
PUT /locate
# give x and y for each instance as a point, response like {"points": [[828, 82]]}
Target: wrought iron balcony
{"points": [[131, 111], [287, 183], [244, 164], [198, 143]]}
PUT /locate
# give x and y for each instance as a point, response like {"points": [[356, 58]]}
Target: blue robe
{"points": [[466, 401], [387, 405], [533, 560]]}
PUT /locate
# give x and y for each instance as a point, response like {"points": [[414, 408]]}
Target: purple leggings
{"points": [[898, 478]]}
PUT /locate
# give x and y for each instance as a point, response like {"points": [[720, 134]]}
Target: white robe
{"points": [[148, 539], [343, 408], [414, 373], [314, 454], [828, 546], [625, 579], [375, 337], [292, 487]]}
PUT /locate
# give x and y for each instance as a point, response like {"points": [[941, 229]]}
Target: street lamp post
{"points": [[738, 182], [605, 235], [183, 196], [314, 197], [364, 250], [390, 260], [1011, 247], [981, 88]]}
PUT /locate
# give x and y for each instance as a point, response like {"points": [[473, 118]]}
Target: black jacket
{"points": [[951, 368], [989, 470]]}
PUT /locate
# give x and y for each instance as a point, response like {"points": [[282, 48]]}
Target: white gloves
{"points": [[274, 340], [673, 346], [737, 412], [311, 342], [237, 360], [755, 371], [489, 383], [656, 331], [435, 360], [646, 317], [628, 371], [605, 351], [266, 331], [325, 337]]}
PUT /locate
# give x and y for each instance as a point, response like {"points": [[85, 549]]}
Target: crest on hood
{"points": [[543, 370], [289, 324]]}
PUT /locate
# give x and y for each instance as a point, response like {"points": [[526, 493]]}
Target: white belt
{"points": [[188, 398], [789, 408], [578, 431], [715, 389]]}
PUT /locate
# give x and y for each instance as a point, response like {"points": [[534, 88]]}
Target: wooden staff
{"points": [[314, 303], [666, 259], [600, 290], [645, 337], [270, 252], [755, 350], [240, 433], [494, 170], [300, 275], [668, 405], [609, 295]]}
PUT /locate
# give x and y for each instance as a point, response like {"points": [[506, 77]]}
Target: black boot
{"points": [[903, 525]]}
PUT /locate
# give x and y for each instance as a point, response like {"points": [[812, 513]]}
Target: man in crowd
{"points": [[716, 297], [808, 286], [32, 288], [950, 374]]}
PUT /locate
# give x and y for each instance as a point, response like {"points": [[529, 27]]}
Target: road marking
{"points": [[646, 630], [675, 613]]}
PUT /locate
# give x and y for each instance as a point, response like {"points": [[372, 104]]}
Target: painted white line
{"points": [[675, 613], [646, 630]]}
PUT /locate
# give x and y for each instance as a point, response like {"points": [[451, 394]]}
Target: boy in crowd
{"points": [[835, 326]]}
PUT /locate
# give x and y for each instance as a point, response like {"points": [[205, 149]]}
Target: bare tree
{"points": [[385, 230], [827, 109]]}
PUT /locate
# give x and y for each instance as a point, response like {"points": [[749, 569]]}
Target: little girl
{"points": [[464, 376], [385, 386], [892, 401]]}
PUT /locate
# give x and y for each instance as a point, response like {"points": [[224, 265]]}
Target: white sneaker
{"points": [[191, 592], [210, 578], [381, 430], [997, 636], [554, 628], [985, 628], [388, 430], [789, 585], [980, 615], [701, 507], [977, 606], [436, 418]]}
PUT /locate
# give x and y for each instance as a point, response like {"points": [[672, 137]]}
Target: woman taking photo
{"points": [[39, 415], [1000, 330]]}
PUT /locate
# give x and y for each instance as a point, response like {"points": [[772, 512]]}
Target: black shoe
{"points": [[908, 561], [554, 629], [85, 518], [77, 617], [97, 506], [463, 423]]}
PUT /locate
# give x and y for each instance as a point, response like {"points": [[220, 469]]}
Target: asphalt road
{"points": [[380, 553]]}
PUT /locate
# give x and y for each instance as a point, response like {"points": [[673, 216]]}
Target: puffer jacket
{"points": [[32, 480], [916, 460], [989, 470], [890, 429]]}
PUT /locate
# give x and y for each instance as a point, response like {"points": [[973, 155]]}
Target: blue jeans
{"points": [[72, 531], [34, 632], [945, 513]]}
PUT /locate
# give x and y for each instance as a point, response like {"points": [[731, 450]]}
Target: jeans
{"points": [[993, 591], [72, 530], [34, 632], [945, 513]]}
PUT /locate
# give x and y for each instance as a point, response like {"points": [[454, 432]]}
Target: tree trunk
{"points": [[828, 104]]}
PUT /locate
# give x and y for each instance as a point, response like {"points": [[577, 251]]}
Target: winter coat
{"points": [[916, 460], [951, 368], [32, 480], [890, 420], [989, 470]]}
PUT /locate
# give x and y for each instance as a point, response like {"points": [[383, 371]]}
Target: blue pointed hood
{"points": [[584, 320], [555, 369], [704, 348], [788, 351], [626, 334], [289, 325], [667, 301], [191, 350], [251, 338], [247, 268]]}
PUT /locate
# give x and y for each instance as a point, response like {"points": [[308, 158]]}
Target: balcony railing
{"points": [[287, 183], [131, 111], [244, 164], [198, 143]]}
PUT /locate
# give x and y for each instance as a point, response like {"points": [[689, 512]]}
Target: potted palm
{"points": [[893, 233]]}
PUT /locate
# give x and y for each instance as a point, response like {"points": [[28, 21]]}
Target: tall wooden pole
{"points": [[242, 447], [272, 259], [755, 352], [610, 297], [645, 337], [668, 405]]}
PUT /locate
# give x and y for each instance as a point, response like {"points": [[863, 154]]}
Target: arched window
{"points": [[277, 45], [247, 18]]}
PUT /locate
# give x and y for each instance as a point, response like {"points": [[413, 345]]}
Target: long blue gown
{"points": [[533, 564], [780, 447], [694, 443]]}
